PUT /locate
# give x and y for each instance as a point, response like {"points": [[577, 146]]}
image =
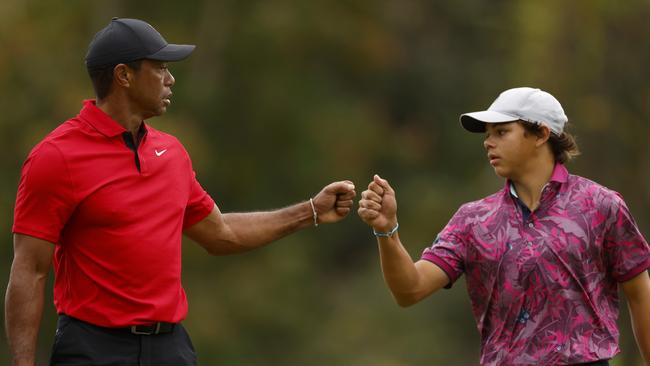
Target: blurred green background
{"points": [[281, 97]]}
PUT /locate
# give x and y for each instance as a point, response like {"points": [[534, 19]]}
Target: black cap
{"points": [[125, 40]]}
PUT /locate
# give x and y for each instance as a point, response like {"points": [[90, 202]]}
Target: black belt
{"points": [[151, 329], [147, 329]]}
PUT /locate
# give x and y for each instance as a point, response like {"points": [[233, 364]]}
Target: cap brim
{"points": [[475, 121], [173, 52]]}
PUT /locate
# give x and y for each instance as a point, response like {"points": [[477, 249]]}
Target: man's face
{"points": [[150, 89], [509, 148]]}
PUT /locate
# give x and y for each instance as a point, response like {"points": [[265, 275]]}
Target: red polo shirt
{"points": [[116, 214]]}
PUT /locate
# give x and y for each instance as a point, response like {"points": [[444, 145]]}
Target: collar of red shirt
{"points": [[101, 121]]}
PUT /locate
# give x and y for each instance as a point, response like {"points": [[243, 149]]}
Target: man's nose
{"points": [[169, 79]]}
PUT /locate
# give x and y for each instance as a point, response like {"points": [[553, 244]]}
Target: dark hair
{"points": [[564, 146], [102, 77]]}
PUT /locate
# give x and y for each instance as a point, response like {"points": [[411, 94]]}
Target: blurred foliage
{"points": [[281, 97]]}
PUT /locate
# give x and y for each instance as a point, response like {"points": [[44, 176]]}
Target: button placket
{"points": [[142, 149], [529, 235]]}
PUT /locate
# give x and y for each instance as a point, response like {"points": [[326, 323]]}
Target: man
{"points": [[543, 257], [106, 197]]}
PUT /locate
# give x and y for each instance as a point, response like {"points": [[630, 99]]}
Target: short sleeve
{"points": [[45, 198], [448, 250], [199, 205], [626, 249]]}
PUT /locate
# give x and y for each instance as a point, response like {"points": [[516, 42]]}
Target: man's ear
{"points": [[122, 75], [546, 134]]}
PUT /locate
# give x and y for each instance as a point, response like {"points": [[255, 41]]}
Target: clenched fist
{"points": [[334, 201], [378, 206]]}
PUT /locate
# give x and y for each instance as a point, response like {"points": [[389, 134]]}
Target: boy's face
{"points": [[509, 148]]}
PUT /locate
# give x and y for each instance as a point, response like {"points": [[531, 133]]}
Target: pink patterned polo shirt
{"points": [[544, 286]]}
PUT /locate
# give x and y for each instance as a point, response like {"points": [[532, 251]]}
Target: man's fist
{"points": [[334, 201]]}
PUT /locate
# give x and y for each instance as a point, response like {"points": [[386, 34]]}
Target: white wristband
{"points": [[388, 234], [313, 209]]}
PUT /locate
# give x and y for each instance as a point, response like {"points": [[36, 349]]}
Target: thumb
{"points": [[383, 183], [340, 187]]}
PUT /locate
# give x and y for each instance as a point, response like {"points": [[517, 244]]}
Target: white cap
{"points": [[527, 104]]}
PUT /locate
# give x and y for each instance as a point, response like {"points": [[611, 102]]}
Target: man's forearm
{"points": [[23, 311], [254, 229]]}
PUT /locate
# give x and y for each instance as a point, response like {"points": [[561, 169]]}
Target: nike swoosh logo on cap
{"points": [[159, 153]]}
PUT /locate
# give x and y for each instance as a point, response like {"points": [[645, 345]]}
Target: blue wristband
{"points": [[386, 235]]}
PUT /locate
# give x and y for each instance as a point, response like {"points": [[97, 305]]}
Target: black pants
{"points": [[79, 343], [595, 363]]}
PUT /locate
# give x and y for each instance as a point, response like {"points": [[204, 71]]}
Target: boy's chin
{"points": [[501, 172]]}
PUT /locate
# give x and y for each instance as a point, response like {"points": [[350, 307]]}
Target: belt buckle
{"points": [[156, 330]]}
